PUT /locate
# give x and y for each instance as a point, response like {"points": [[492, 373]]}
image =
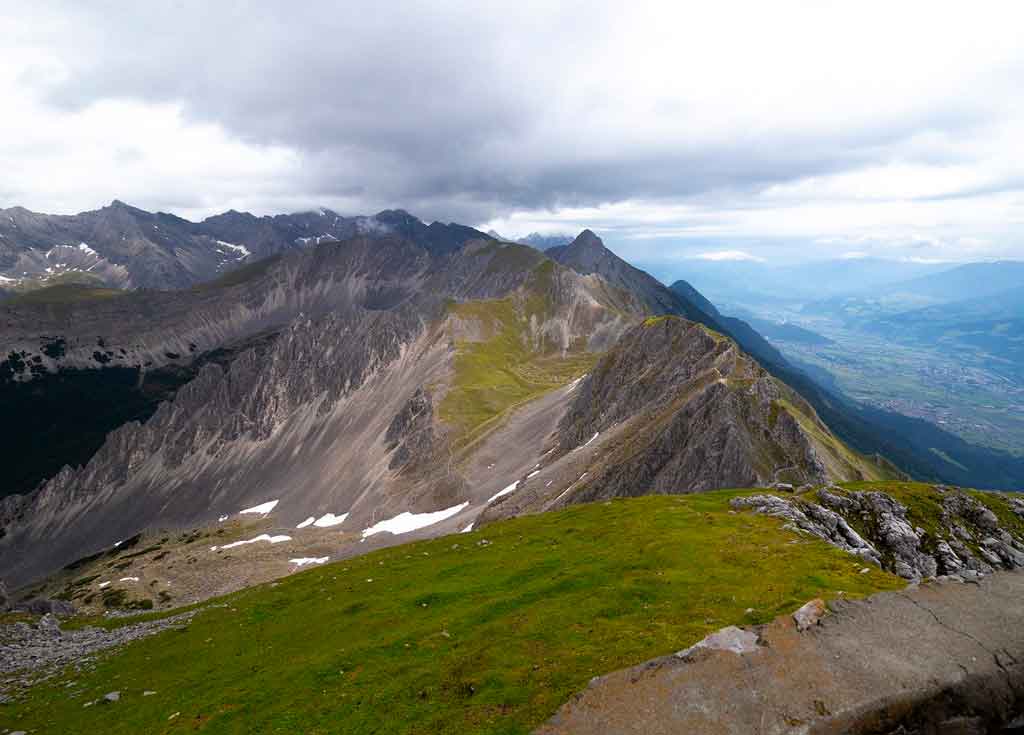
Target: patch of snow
{"points": [[262, 509], [406, 522], [304, 560], [307, 522], [261, 537], [5, 279], [569, 488], [575, 384], [128, 579], [467, 529], [84, 247], [591, 439], [222, 519], [104, 584], [329, 519], [237, 248], [511, 488], [533, 474]]}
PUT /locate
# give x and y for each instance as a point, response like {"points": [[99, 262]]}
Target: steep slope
{"points": [[361, 398], [674, 407], [916, 446], [587, 254]]}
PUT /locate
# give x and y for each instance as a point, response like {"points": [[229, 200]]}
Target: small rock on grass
{"points": [[730, 638], [809, 614], [112, 696]]}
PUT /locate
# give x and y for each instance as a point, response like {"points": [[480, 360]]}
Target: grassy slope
{"points": [[66, 293], [504, 369], [452, 636]]}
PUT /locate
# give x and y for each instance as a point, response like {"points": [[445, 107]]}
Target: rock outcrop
{"points": [[941, 658], [963, 536]]}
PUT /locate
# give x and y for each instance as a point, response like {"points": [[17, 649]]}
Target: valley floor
{"points": [[969, 393]]}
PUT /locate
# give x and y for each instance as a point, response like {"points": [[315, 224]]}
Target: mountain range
{"points": [[380, 370], [125, 247]]}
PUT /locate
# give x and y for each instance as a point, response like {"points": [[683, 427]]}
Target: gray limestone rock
{"points": [[892, 541], [731, 639]]}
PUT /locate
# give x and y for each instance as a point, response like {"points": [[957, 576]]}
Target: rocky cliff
{"points": [[343, 405], [672, 408]]}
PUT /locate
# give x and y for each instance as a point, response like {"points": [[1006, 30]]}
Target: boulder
{"points": [[732, 639], [809, 614], [48, 625], [1017, 506]]}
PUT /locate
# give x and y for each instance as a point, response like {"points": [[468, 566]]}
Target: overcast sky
{"points": [[775, 130]]}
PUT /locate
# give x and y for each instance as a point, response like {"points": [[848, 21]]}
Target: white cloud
{"points": [[717, 255], [785, 128]]}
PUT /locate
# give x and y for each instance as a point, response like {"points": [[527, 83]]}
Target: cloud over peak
{"points": [[755, 127]]}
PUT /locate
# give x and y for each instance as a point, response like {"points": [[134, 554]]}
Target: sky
{"points": [[775, 131]]}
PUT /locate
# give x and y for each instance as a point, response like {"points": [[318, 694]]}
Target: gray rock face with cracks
{"points": [[967, 539]]}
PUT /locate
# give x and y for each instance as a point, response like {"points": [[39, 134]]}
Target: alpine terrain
{"points": [[453, 431]]}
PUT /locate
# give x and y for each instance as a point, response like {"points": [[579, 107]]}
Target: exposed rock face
{"points": [[411, 432], [334, 414], [814, 519], [701, 412], [675, 408], [588, 255], [967, 541]]}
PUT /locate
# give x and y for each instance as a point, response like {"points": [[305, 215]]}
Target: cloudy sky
{"points": [[779, 131]]}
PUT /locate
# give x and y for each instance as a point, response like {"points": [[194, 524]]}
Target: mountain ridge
{"points": [[400, 380]]}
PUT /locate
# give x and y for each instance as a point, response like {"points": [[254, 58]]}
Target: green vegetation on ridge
{"points": [[487, 632], [504, 367]]}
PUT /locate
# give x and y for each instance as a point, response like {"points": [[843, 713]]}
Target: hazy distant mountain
{"points": [[970, 281], [992, 325], [973, 281], [545, 242], [788, 332], [757, 282]]}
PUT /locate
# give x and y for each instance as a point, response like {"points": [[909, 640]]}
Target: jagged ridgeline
{"points": [[411, 369]]}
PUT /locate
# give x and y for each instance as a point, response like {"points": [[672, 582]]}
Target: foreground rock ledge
{"points": [[945, 657]]}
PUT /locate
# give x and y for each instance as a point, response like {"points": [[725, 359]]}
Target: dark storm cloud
{"points": [[429, 103], [474, 111]]}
